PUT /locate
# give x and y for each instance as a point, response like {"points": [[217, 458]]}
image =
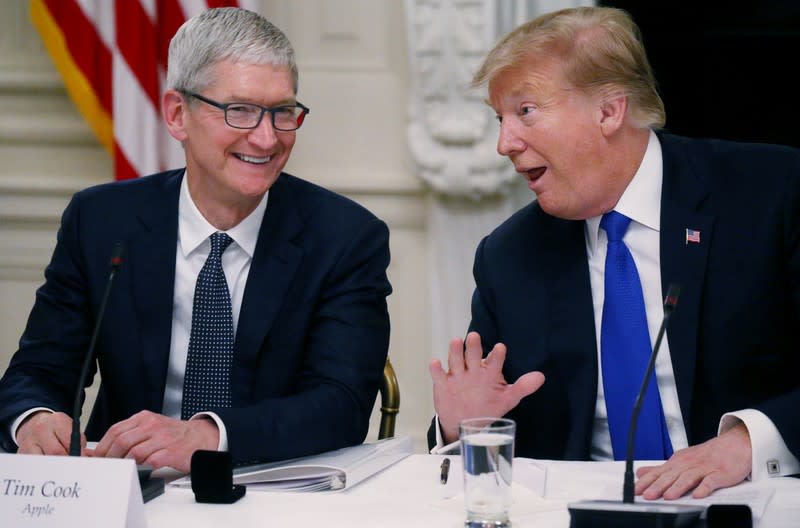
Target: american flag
{"points": [[693, 236], [112, 56]]}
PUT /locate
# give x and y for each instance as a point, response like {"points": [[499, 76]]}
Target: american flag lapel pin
{"points": [[693, 236]]}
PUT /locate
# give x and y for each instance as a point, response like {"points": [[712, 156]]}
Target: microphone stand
{"points": [[75, 437], [629, 514]]}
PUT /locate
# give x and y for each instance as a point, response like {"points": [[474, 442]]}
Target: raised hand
{"points": [[474, 386]]}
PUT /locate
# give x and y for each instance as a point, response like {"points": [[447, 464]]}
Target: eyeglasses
{"points": [[248, 115]]}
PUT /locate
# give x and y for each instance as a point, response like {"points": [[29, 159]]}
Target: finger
{"points": [[473, 354], [166, 458], [455, 357], [645, 482], [124, 443], [30, 448], [45, 442], [657, 488], [527, 384], [108, 440], [438, 375], [646, 476], [642, 471], [707, 486], [496, 358], [63, 436], [685, 482], [144, 450]]}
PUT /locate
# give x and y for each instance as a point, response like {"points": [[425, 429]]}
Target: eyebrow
{"points": [[238, 99], [523, 89]]}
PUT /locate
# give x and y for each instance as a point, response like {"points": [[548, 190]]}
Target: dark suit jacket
{"points": [[735, 335], [313, 329]]}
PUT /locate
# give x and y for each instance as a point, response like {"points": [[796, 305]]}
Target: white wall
{"points": [[353, 74]]}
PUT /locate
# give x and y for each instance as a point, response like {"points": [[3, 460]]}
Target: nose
{"points": [[508, 141], [264, 135]]}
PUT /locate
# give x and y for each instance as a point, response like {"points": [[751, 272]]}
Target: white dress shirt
{"points": [[192, 251], [641, 202]]}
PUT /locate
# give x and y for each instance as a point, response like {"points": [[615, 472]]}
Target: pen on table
{"points": [[445, 471]]}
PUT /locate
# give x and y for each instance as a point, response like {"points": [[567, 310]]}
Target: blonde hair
{"points": [[600, 51]]}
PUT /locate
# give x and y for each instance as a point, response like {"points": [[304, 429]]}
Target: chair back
{"points": [[390, 401]]}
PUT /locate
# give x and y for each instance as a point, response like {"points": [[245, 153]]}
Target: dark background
{"points": [[725, 69]]}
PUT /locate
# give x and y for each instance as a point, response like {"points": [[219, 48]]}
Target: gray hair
{"points": [[227, 33]]}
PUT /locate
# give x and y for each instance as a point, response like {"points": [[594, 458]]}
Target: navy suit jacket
{"points": [[735, 335], [313, 329]]}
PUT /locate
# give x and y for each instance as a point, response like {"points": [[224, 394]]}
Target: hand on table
{"points": [[46, 433], [158, 441], [721, 462]]}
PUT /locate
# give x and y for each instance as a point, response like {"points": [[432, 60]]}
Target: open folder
{"points": [[334, 470]]}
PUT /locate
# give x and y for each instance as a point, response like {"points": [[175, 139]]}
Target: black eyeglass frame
{"points": [[224, 107]]}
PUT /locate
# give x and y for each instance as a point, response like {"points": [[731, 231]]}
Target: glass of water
{"points": [[487, 449]]}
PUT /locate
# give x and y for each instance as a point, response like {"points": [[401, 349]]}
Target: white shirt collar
{"points": [[641, 201], [194, 229]]}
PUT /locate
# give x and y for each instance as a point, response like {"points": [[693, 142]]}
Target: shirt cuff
{"points": [[223, 433], [771, 456], [21, 418], [440, 448]]}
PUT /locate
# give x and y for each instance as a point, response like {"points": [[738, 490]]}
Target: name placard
{"points": [[69, 492]]}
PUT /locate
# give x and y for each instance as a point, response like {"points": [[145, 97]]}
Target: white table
{"points": [[409, 494]]}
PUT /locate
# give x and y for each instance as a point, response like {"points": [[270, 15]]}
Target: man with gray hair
{"points": [[250, 314], [570, 287]]}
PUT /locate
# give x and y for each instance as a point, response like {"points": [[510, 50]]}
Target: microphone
{"points": [[117, 258], [613, 514]]}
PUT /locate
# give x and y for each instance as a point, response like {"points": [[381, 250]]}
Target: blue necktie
{"points": [[206, 384], [625, 350]]}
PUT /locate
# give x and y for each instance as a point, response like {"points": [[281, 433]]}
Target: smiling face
{"points": [[558, 139], [230, 169]]}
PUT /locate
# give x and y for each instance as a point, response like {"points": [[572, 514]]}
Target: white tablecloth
{"points": [[409, 494]]}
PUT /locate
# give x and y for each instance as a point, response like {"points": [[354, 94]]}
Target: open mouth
{"points": [[256, 160], [534, 174]]}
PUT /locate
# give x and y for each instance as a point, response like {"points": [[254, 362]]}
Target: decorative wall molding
{"points": [[451, 132]]}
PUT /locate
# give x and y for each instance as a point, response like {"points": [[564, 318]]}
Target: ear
{"points": [[173, 109], [613, 108]]}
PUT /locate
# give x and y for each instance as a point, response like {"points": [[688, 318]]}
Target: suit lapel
{"points": [[275, 262], [151, 257], [683, 261], [571, 331]]}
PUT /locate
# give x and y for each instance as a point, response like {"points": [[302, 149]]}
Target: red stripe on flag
{"points": [[86, 47], [222, 3], [170, 17], [123, 170], [136, 40]]}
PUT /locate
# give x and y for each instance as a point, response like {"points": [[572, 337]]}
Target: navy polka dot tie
{"points": [[206, 384]]}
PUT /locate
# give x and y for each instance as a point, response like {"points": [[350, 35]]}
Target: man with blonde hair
{"points": [[570, 287]]}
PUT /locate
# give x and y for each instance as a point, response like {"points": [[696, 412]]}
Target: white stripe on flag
{"points": [[101, 14], [136, 122]]}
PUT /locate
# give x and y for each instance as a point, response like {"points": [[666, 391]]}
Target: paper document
{"points": [[334, 470]]}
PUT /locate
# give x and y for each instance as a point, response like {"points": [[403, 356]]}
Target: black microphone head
{"points": [[118, 255], [671, 300]]}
